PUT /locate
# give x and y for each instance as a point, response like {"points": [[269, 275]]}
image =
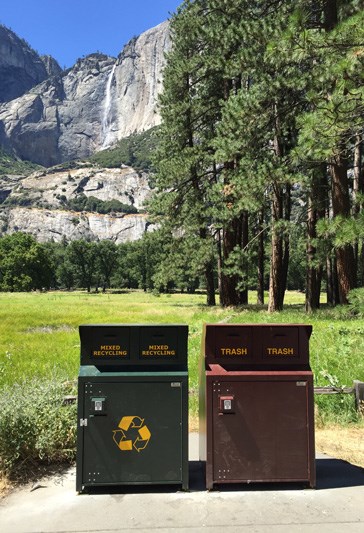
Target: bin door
{"points": [[260, 431], [133, 433]]}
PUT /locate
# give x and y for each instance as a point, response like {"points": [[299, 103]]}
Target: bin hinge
{"points": [[83, 422]]}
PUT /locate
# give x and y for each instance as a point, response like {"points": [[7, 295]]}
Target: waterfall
{"points": [[106, 114]]}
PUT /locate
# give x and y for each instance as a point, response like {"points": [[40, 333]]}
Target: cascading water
{"points": [[107, 115]]}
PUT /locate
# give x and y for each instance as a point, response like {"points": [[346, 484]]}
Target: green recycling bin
{"points": [[132, 406]]}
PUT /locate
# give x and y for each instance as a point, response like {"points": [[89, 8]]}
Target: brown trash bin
{"points": [[256, 404]]}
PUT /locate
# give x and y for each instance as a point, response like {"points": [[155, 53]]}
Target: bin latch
{"points": [[98, 406], [227, 404]]}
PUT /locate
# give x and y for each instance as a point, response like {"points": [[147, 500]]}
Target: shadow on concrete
{"points": [[330, 473], [337, 474]]}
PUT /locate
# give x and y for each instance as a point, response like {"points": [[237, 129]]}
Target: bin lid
{"points": [[252, 346], [138, 346]]}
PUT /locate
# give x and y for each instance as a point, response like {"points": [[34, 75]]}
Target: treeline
{"points": [[27, 265], [91, 204], [261, 146], [158, 262]]}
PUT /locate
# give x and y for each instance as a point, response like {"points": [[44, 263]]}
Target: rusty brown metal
{"points": [[256, 424]]}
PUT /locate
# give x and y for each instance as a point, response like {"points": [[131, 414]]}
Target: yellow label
{"points": [[280, 351], [110, 351], [234, 351], [158, 350]]}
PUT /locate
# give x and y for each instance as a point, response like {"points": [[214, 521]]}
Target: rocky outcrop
{"points": [[56, 187], [51, 65], [7, 185], [21, 68], [47, 225], [89, 107], [39, 204]]}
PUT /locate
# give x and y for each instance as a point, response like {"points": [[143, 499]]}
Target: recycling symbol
{"points": [[132, 434]]}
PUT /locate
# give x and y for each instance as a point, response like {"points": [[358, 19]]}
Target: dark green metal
{"points": [[132, 427]]}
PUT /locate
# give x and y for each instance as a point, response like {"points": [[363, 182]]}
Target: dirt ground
{"points": [[342, 443], [5, 486]]}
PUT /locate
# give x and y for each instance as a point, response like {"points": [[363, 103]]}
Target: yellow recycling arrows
{"points": [[122, 438]]}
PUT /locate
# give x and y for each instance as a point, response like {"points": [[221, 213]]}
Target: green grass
{"points": [[39, 334]]}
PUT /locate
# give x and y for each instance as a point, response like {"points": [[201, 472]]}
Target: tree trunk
{"points": [[260, 284], [209, 273], [341, 206], [280, 251], [357, 189], [330, 14], [345, 263], [312, 287], [276, 262], [275, 274], [329, 283], [317, 201], [332, 288], [210, 284], [345, 272], [229, 293], [285, 243], [243, 295], [219, 265]]}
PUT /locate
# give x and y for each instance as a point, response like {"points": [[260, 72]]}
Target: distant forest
{"points": [[27, 265]]}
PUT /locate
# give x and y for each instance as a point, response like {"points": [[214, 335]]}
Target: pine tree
{"points": [[263, 102], [334, 117], [185, 169], [257, 130]]}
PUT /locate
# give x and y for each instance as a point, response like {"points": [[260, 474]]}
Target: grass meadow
{"points": [[39, 335]]}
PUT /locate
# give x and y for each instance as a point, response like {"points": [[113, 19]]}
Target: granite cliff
{"points": [[53, 118], [41, 204], [74, 113], [21, 68]]}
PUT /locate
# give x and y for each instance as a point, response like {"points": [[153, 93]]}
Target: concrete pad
{"points": [[55, 507]]}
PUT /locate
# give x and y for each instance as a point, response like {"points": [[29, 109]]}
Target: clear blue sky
{"points": [[69, 29]]}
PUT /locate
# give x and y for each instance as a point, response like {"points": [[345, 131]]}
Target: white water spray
{"points": [[107, 116]]}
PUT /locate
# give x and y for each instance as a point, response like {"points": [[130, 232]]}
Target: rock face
{"points": [[39, 204], [54, 187], [49, 116], [21, 68], [46, 225], [51, 65], [89, 107]]}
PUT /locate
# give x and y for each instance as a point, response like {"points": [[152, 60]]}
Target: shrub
{"points": [[134, 151], [35, 426], [356, 302], [95, 205]]}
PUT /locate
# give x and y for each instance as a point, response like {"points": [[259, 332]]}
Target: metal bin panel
{"points": [[229, 344], [283, 346], [260, 428], [106, 345], [134, 431], [163, 345]]}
